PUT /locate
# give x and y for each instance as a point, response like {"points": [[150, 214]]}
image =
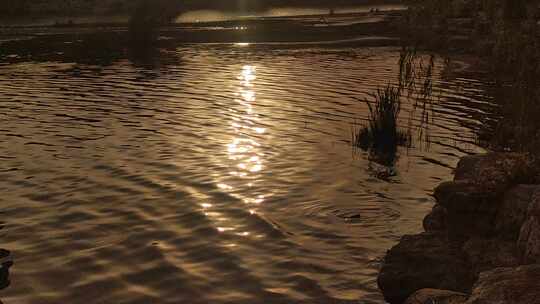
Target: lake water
{"points": [[213, 174]]}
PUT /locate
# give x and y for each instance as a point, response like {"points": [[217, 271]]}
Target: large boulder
{"points": [[512, 211], [430, 296], [487, 254], [426, 260], [519, 285], [475, 196], [496, 171], [470, 209], [465, 196]]}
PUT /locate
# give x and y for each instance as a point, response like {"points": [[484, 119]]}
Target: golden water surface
{"points": [[212, 174]]}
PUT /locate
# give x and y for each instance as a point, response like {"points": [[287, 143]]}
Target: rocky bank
{"points": [[481, 243]]}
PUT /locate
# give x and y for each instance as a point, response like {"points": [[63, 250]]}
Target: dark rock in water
{"points": [[5, 263], [436, 219], [421, 261], [519, 285], [529, 237], [512, 212], [486, 254], [496, 171], [470, 210], [431, 296]]}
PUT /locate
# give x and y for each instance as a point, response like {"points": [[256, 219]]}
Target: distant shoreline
{"points": [[118, 20], [343, 28]]}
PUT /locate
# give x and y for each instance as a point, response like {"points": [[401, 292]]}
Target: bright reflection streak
{"points": [[259, 130], [242, 149], [244, 152], [224, 229], [224, 187], [248, 96]]}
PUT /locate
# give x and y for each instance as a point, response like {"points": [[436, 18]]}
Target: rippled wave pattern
{"points": [[213, 174]]}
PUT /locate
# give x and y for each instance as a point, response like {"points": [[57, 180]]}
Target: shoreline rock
{"points": [[426, 260], [482, 239]]}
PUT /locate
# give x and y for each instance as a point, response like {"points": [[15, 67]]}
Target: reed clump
{"points": [[382, 134], [382, 131]]}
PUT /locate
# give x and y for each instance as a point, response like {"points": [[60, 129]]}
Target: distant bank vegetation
{"points": [[126, 7]]}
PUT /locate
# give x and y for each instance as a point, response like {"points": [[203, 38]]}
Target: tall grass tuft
{"points": [[381, 135], [382, 132]]}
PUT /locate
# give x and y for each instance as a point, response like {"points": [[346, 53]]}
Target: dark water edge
{"points": [[205, 173]]}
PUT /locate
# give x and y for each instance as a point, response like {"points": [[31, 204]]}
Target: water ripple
{"points": [[223, 176]]}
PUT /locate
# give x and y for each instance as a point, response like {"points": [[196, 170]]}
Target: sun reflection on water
{"points": [[244, 148], [244, 153]]}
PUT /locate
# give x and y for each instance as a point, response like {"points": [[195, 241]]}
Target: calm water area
{"points": [[215, 174]]}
